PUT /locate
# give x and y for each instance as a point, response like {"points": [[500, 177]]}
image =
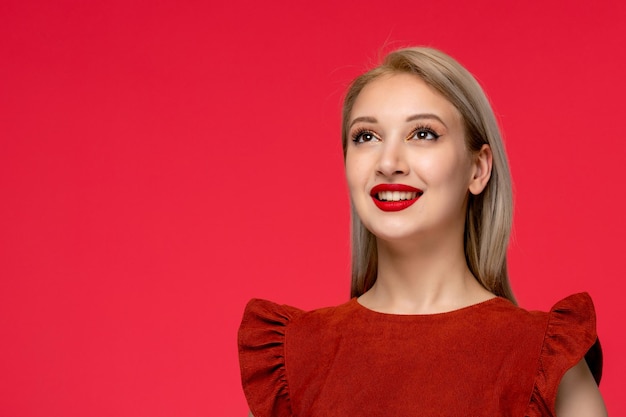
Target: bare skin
{"points": [[578, 394]]}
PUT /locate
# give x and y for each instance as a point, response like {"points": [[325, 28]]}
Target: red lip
{"points": [[394, 205]]}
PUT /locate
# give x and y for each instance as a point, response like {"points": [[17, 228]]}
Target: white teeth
{"points": [[396, 195]]}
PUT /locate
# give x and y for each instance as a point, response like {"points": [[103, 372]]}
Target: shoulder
{"points": [[555, 348], [570, 339], [262, 343], [264, 314], [570, 322]]}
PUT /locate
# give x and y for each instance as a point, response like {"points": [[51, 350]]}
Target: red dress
{"points": [[488, 359]]}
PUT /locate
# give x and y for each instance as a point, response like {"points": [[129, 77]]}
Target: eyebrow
{"points": [[420, 116]]}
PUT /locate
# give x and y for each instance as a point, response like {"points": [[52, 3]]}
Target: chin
{"points": [[393, 232]]}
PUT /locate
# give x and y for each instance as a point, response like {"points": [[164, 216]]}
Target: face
{"points": [[409, 171]]}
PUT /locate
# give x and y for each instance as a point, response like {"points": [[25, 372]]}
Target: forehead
{"points": [[400, 96]]}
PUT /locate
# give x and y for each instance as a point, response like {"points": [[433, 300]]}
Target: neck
{"points": [[423, 277]]}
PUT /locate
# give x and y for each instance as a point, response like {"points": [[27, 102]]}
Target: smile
{"points": [[394, 197]]}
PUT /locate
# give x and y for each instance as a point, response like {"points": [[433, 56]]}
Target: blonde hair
{"points": [[489, 214]]}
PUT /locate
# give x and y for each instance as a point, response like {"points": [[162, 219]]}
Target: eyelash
{"points": [[425, 129], [359, 133]]}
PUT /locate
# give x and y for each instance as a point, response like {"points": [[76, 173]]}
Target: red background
{"points": [[163, 162]]}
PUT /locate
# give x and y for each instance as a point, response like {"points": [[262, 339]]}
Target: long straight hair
{"points": [[489, 214]]}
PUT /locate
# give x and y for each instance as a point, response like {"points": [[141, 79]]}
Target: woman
{"points": [[432, 328]]}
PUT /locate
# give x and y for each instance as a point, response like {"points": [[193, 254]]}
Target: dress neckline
{"points": [[373, 313]]}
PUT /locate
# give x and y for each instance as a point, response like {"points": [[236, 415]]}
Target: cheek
{"points": [[434, 168], [355, 172], [451, 171]]}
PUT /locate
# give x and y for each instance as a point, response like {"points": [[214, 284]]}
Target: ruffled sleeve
{"points": [[570, 336], [261, 342]]}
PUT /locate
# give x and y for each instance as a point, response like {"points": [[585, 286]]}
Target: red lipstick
{"points": [[384, 198]]}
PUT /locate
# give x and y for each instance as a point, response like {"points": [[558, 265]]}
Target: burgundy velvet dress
{"points": [[488, 359]]}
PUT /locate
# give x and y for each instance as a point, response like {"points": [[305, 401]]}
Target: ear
{"points": [[481, 170]]}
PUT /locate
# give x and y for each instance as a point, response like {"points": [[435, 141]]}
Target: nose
{"points": [[392, 161]]}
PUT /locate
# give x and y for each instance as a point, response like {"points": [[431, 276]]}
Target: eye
{"points": [[364, 135], [424, 133]]}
